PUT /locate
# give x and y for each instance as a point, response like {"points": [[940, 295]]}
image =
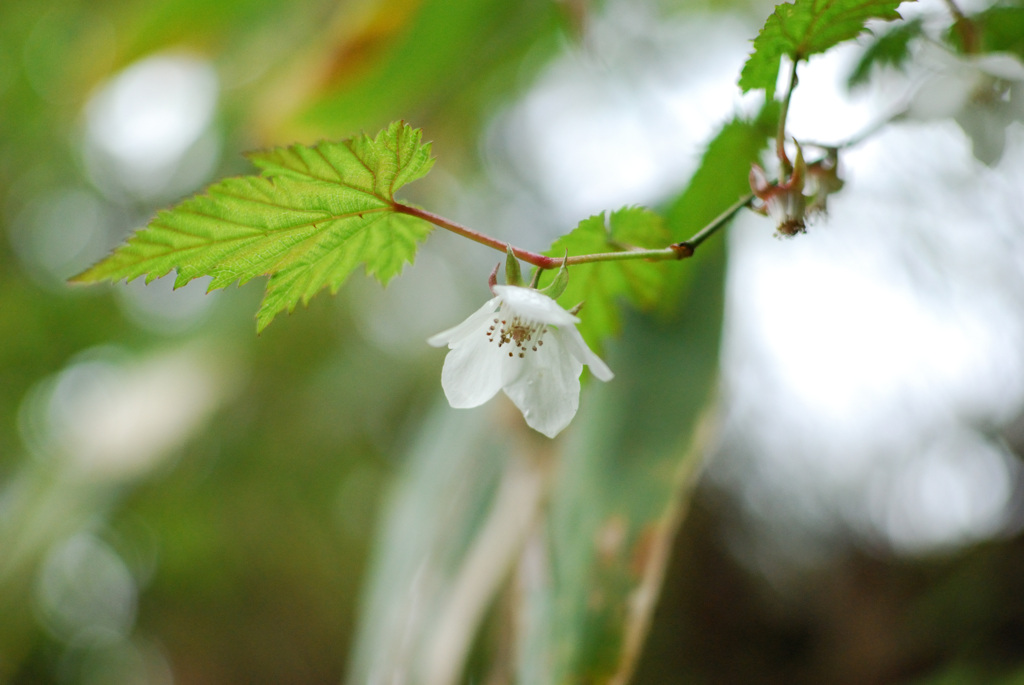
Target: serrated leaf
{"points": [[892, 48], [313, 216], [602, 286], [804, 28]]}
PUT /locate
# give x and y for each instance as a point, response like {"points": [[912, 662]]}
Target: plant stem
{"points": [[965, 27], [534, 258], [780, 138], [680, 250], [688, 247]]}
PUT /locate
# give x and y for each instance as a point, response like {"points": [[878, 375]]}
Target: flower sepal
{"points": [[557, 286], [513, 271]]}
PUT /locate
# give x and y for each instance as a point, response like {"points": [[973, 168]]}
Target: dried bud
{"points": [[823, 180], [783, 201], [786, 201]]}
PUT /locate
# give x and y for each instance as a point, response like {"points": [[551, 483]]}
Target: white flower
{"points": [[521, 341], [983, 93]]}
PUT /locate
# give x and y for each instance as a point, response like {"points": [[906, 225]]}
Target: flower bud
{"points": [[513, 272]]}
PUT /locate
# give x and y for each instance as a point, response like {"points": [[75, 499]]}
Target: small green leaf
{"points": [[308, 221], [892, 48], [601, 285], [804, 28]]}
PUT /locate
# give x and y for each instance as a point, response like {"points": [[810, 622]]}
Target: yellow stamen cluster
{"points": [[525, 335]]}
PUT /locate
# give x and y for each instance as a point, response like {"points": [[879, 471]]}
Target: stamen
{"points": [[526, 334]]}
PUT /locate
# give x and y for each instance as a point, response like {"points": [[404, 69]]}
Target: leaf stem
{"points": [[534, 258]]}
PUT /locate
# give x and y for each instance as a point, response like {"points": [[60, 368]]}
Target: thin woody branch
{"points": [[681, 250], [534, 258], [688, 247]]}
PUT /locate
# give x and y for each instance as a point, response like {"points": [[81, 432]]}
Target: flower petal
{"points": [[455, 334], [1002, 65], [473, 371], [533, 305], [547, 392], [577, 347], [986, 127]]}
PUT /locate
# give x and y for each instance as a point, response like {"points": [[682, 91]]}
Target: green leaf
{"points": [[721, 179], [602, 286], [804, 28], [624, 481], [620, 492], [312, 217], [426, 564], [1001, 28], [889, 49]]}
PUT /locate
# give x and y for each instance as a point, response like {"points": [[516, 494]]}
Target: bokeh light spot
{"points": [[150, 121]]}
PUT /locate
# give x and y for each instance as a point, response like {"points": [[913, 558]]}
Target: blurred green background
{"points": [[182, 501]]}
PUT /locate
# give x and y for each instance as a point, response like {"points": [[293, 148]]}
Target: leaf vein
{"points": [[319, 151]]}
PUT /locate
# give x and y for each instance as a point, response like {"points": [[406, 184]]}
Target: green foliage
{"points": [[623, 484], [967, 672], [891, 48], [618, 489], [723, 176], [308, 221], [804, 28], [723, 172], [601, 285], [429, 58], [1002, 29], [444, 503]]}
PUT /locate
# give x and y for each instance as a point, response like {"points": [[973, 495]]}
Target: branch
{"points": [[681, 250], [534, 258], [688, 247]]}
